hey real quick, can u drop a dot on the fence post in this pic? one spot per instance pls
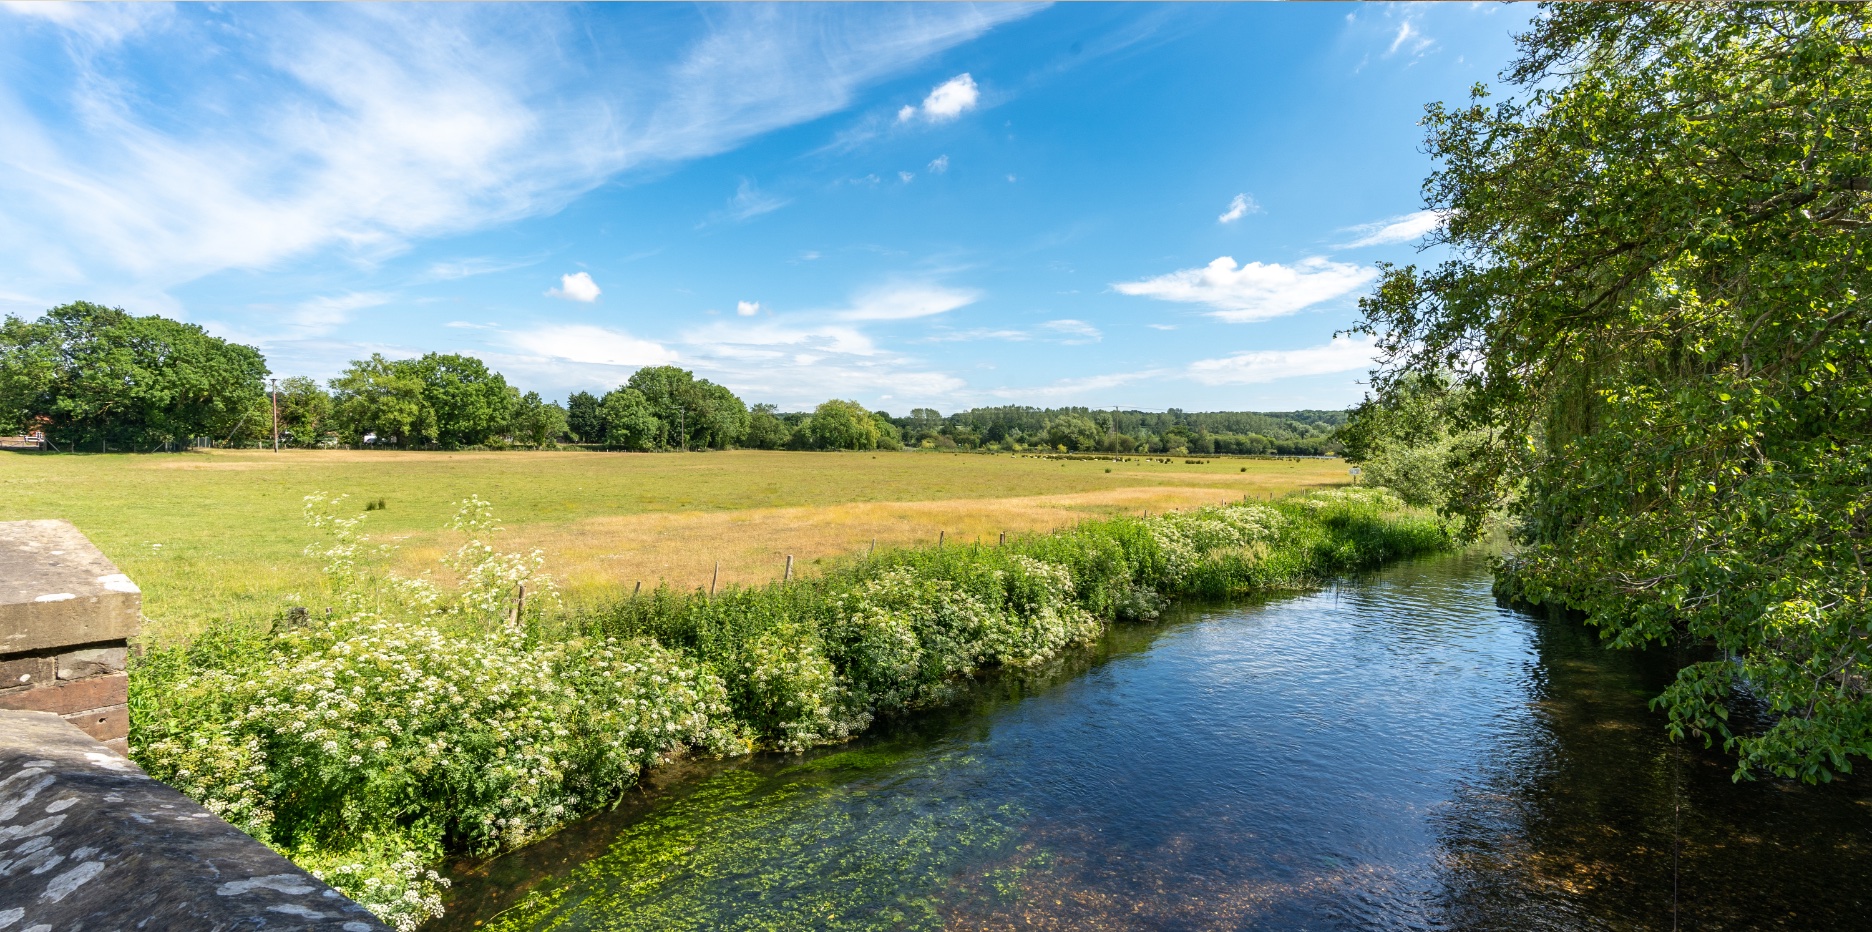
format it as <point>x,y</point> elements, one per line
<point>789,569</point>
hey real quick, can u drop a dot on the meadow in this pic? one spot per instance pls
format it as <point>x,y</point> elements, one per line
<point>220,535</point>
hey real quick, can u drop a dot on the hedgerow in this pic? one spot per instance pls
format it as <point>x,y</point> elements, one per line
<point>416,720</point>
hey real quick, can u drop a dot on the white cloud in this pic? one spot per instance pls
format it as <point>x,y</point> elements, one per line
<point>288,132</point>
<point>750,202</point>
<point>907,302</point>
<point>1405,31</point>
<point>587,343</point>
<point>468,268</point>
<point>322,315</point>
<point>1161,326</point>
<point>906,176</point>
<point>747,308</point>
<point>770,340</point>
<point>1343,354</point>
<point>1075,389</point>
<point>1073,332</point>
<point>1395,230</point>
<point>1065,332</point>
<point>939,164</point>
<point>1240,207</point>
<point>1255,291</point>
<point>577,286</point>
<point>948,100</point>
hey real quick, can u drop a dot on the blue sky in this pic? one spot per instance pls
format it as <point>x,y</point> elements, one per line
<point>947,206</point>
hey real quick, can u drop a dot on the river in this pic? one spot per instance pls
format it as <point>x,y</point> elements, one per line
<point>1396,752</point>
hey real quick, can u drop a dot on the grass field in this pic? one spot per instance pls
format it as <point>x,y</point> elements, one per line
<point>219,534</point>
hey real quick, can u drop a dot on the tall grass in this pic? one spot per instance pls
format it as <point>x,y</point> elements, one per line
<point>416,721</point>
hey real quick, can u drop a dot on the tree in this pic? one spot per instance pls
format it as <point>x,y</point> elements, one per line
<point>766,431</point>
<point>1074,432</point>
<point>888,436</point>
<point>695,412</point>
<point>582,418</point>
<point>305,411</point>
<point>471,404</point>
<point>630,422</point>
<point>536,422</point>
<point>379,397</point>
<point>93,376</point>
<point>842,425</point>
<point>1654,307</point>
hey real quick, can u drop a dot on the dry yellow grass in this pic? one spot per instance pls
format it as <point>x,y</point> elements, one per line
<point>219,534</point>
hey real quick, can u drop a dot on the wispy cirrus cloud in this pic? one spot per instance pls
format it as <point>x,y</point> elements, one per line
<point>1241,206</point>
<point>1255,291</point>
<point>1400,229</point>
<point>1067,332</point>
<point>1343,354</point>
<point>906,301</point>
<point>590,344</point>
<point>285,132</point>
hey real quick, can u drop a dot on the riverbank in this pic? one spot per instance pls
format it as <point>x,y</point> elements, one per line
<point>416,721</point>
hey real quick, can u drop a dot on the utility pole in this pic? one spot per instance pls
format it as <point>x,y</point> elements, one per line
<point>275,414</point>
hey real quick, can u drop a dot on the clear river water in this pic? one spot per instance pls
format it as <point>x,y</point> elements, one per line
<point>1396,752</point>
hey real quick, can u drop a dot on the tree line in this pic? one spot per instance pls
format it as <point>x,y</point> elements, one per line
<point>98,378</point>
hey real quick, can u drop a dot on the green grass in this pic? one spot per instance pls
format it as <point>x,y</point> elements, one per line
<point>215,536</point>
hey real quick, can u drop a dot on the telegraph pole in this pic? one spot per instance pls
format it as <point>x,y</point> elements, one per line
<point>275,414</point>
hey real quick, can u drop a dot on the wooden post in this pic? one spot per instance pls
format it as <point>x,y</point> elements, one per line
<point>873,551</point>
<point>789,569</point>
<point>519,605</point>
<point>638,589</point>
<point>714,579</point>
<point>1003,541</point>
<point>939,539</point>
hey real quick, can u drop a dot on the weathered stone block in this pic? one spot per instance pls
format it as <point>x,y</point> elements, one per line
<point>103,724</point>
<point>67,696</point>
<point>88,841</point>
<point>25,672</point>
<point>57,590</point>
<point>95,661</point>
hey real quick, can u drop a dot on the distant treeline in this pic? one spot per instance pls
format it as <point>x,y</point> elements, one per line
<point>96,378</point>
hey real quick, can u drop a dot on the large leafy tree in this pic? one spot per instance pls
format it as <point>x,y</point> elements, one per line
<point>630,422</point>
<point>582,418</point>
<point>535,421</point>
<point>471,403</point>
<point>384,398</point>
<point>694,412</point>
<point>842,425</point>
<point>1654,310</point>
<point>94,376</point>
<point>305,411</point>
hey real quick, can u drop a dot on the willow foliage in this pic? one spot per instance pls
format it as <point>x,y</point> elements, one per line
<point>1653,311</point>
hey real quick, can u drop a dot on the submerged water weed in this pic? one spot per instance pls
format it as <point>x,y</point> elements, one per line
<point>840,855</point>
<point>421,718</point>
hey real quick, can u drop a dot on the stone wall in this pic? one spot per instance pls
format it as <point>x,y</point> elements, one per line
<point>90,842</point>
<point>66,617</point>
<point>87,840</point>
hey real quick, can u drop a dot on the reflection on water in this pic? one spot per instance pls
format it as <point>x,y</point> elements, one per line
<point>1399,753</point>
